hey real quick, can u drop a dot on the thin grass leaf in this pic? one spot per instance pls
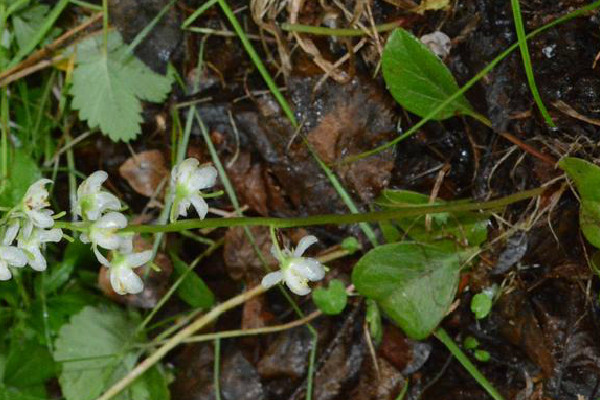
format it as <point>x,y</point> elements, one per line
<point>516,9</point>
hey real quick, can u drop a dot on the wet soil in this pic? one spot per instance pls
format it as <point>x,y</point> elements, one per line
<point>542,334</point>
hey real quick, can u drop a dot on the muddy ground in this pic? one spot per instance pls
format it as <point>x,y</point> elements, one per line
<point>542,334</point>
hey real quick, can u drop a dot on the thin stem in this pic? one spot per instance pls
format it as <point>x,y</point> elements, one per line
<point>470,83</point>
<point>199,11</point>
<point>522,38</point>
<point>257,61</point>
<point>251,332</point>
<point>344,195</point>
<point>321,30</point>
<point>178,338</point>
<point>443,337</point>
<point>217,369</point>
<point>326,219</point>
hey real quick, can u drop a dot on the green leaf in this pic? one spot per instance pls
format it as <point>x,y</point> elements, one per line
<point>48,320</point>
<point>23,172</point>
<point>481,355</point>
<point>27,22</point>
<point>11,393</point>
<point>332,300</point>
<point>465,227</point>
<point>414,284</point>
<point>192,289</point>
<point>28,364</point>
<point>471,343</point>
<point>418,79</point>
<point>481,305</point>
<point>108,87</point>
<point>94,350</point>
<point>350,244</point>
<point>77,253</point>
<point>586,177</point>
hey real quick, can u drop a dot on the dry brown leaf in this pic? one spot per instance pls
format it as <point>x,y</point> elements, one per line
<point>145,171</point>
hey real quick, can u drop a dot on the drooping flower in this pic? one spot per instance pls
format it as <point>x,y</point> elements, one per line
<point>122,278</point>
<point>13,257</point>
<point>33,206</point>
<point>92,201</point>
<point>187,179</point>
<point>296,271</point>
<point>105,233</point>
<point>33,243</point>
<point>10,255</point>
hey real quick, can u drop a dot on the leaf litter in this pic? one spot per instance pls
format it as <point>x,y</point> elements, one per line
<point>540,333</point>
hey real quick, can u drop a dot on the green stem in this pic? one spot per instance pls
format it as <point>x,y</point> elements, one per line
<point>470,83</point>
<point>258,62</point>
<point>327,219</point>
<point>4,128</point>
<point>443,337</point>
<point>522,38</point>
<point>320,30</point>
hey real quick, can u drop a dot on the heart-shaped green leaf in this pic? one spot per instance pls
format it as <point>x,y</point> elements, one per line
<point>586,177</point>
<point>413,283</point>
<point>332,300</point>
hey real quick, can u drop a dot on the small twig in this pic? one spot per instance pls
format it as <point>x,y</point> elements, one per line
<point>178,338</point>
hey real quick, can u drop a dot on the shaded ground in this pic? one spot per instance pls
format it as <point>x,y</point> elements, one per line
<point>541,334</point>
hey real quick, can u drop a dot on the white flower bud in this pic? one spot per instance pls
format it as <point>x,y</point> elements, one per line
<point>92,201</point>
<point>296,271</point>
<point>187,179</point>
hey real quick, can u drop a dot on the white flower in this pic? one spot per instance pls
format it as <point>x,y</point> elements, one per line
<point>105,233</point>
<point>296,270</point>
<point>33,206</point>
<point>122,278</point>
<point>11,233</point>
<point>92,201</point>
<point>10,256</point>
<point>187,179</point>
<point>33,243</point>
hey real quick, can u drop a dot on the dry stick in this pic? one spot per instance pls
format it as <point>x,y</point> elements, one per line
<point>46,51</point>
<point>178,338</point>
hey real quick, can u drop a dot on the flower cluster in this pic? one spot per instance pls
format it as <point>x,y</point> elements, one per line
<point>26,227</point>
<point>30,225</point>
<point>100,209</point>
<point>295,270</point>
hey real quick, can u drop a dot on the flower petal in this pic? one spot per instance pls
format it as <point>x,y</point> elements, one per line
<point>200,205</point>
<point>112,220</point>
<point>11,233</point>
<point>123,281</point>
<point>204,177</point>
<point>41,219</point>
<point>309,268</point>
<point>272,279</point>
<point>4,271</point>
<point>137,259</point>
<point>304,244</point>
<point>39,262</point>
<point>296,282</point>
<point>107,201</point>
<point>13,256</point>
<point>52,235</point>
<point>37,195</point>
<point>100,257</point>
<point>92,184</point>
